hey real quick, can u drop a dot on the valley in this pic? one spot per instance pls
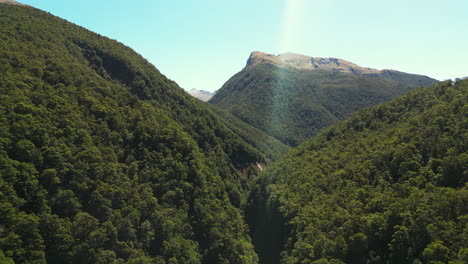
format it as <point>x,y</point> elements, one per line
<point>295,159</point>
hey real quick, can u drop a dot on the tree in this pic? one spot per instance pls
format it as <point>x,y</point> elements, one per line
<point>435,252</point>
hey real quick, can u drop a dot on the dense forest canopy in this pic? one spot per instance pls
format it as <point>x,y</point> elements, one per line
<point>388,185</point>
<point>105,160</point>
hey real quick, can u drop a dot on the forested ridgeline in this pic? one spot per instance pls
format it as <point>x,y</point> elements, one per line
<point>105,160</point>
<point>388,185</point>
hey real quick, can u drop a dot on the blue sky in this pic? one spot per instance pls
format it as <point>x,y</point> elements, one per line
<point>202,43</point>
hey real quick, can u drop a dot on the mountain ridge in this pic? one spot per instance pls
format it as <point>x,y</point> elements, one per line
<point>303,62</point>
<point>290,99</point>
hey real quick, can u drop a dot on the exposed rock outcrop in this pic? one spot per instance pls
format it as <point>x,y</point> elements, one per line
<point>303,62</point>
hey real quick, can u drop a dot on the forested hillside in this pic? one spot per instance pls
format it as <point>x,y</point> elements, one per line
<point>292,103</point>
<point>105,160</point>
<point>388,185</point>
<point>266,144</point>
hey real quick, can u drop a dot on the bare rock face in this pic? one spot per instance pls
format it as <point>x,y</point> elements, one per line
<point>10,2</point>
<point>303,62</point>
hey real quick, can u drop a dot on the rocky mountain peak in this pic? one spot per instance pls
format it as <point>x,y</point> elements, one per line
<point>303,62</point>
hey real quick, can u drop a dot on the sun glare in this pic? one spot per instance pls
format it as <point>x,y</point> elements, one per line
<point>291,29</point>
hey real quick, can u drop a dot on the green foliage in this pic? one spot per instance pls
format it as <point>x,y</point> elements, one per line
<point>388,185</point>
<point>105,160</point>
<point>293,105</point>
<point>269,145</point>
<point>4,259</point>
<point>436,252</point>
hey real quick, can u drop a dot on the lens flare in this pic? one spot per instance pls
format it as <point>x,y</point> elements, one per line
<point>290,40</point>
<point>292,26</point>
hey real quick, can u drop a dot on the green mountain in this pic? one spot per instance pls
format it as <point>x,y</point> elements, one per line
<point>291,97</point>
<point>388,185</point>
<point>105,160</point>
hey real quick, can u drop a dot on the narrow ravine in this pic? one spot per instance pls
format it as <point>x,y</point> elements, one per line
<point>266,226</point>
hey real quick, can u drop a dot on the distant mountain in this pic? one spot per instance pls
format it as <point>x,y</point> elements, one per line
<point>292,96</point>
<point>387,185</point>
<point>302,62</point>
<point>105,160</point>
<point>203,95</point>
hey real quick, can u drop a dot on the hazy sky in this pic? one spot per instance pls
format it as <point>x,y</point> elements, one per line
<point>201,43</point>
